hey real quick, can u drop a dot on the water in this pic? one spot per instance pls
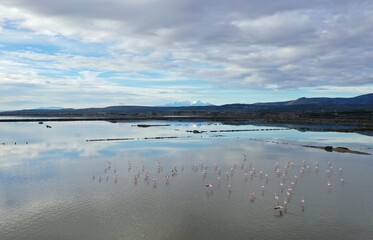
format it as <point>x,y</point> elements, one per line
<point>50,184</point>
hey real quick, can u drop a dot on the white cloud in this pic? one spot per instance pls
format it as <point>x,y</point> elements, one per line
<point>282,28</point>
<point>240,44</point>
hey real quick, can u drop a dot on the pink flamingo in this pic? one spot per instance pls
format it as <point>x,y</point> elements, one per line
<point>251,196</point>
<point>278,207</point>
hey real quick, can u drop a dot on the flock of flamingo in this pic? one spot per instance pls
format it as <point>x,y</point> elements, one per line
<point>286,176</point>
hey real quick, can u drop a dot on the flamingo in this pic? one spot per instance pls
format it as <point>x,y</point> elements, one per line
<point>329,185</point>
<point>209,185</point>
<point>279,208</point>
<point>276,198</point>
<point>276,165</point>
<point>296,178</point>
<point>251,196</point>
<point>302,201</point>
<point>135,178</point>
<point>288,195</point>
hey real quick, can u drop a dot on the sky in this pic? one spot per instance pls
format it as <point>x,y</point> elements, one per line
<point>96,53</point>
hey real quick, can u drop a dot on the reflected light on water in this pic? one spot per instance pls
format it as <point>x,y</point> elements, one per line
<point>59,186</point>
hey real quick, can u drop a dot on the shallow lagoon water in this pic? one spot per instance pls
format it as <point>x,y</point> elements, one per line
<point>50,187</point>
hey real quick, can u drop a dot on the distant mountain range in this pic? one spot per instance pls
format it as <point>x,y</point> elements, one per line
<point>359,103</point>
<point>366,99</point>
<point>186,104</point>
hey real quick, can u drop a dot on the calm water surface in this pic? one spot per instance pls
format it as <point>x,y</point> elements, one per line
<point>54,184</point>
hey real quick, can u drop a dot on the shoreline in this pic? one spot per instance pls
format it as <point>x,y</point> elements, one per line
<point>310,124</point>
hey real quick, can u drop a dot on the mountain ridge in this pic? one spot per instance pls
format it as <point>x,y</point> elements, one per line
<point>361,99</point>
<point>362,102</point>
<point>186,104</point>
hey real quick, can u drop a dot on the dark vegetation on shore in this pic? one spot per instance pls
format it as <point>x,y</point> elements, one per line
<point>354,114</point>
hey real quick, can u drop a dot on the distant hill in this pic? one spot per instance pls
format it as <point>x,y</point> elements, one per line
<point>301,105</point>
<point>359,100</point>
<point>366,99</point>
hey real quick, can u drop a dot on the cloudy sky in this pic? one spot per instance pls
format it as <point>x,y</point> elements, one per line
<point>84,53</point>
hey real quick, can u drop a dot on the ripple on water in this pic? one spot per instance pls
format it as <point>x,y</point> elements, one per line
<point>66,203</point>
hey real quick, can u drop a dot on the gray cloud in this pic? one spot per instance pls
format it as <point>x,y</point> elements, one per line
<point>257,44</point>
